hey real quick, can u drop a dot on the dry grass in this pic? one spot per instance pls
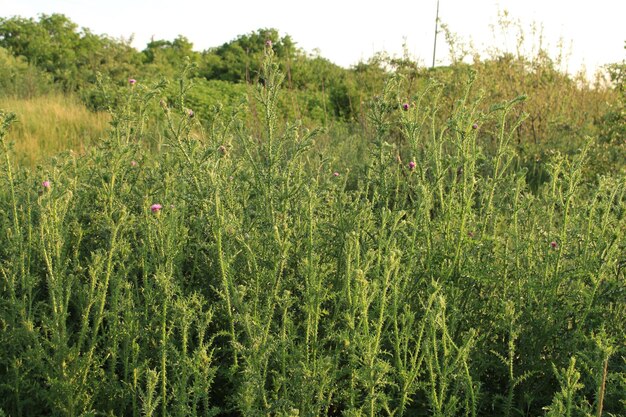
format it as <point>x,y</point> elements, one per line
<point>51,124</point>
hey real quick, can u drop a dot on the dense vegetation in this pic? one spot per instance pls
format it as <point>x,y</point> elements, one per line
<point>51,55</point>
<point>451,241</point>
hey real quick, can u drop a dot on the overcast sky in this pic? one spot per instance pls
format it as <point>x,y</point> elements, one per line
<point>346,31</point>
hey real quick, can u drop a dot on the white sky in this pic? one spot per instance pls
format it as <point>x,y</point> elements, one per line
<point>346,31</point>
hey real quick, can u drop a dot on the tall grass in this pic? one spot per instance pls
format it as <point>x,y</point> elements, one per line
<point>239,272</point>
<point>50,124</point>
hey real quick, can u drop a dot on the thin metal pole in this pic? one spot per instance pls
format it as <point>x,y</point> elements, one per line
<point>436,32</point>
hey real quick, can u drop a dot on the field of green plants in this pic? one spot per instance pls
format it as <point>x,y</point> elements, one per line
<point>419,256</point>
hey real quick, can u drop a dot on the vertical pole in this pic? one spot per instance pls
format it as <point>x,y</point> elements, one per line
<point>436,31</point>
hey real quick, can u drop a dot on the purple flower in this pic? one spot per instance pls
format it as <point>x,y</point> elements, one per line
<point>268,43</point>
<point>405,106</point>
<point>412,165</point>
<point>46,184</point>
<point>335,174</point>
<point>132,81</point>
<point>190,113</point>
<point>553,245</point>
<point>475,126</point>
<point>156,208</point>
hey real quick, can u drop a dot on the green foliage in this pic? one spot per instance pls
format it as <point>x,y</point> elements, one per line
<point>564,402</point>
<point>55,45</point>
<point>18,79</point>
<point>215,254</point>
<point>236,270</point>
<point>240,60</point>
<point>612,124</point>
<point>562,110</point>
<point>163,58</point>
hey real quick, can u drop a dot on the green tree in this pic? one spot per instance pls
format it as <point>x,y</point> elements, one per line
<point>50,44</point>
<point>240,59</point>
<point>71,56</point>
<point>165,58</point>
<point>20,79</point>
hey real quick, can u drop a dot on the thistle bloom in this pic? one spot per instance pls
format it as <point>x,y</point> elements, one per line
<point>46,184</point>
<point>475,126</point>
<point>335,174</point>
<point>412,165</point>
<point>133,163</point>
<point>405,106</point>
<point>156,208</point>
<point>132,81</point>
<point>553,244</point>
<point>190,113</point>
<point>268,43</point>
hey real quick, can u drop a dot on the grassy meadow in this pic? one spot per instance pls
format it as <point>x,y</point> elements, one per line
<point>50,124</point>
<point>451,247</point>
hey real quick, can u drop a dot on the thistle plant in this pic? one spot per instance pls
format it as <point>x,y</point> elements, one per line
<point>202,262</point>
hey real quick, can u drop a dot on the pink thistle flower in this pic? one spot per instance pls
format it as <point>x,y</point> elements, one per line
<point>553,245</point>
<point>335,174</point>
<point>190,113</point>
<point>405,106</point>
<point>268,43</point>
<point>133,163</point>
<point>475,126</point>
<point>156,208</point>
<point>46,184</point>
<point>412,165</point>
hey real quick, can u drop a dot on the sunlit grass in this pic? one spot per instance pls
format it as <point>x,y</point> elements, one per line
<point>50,124</point>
